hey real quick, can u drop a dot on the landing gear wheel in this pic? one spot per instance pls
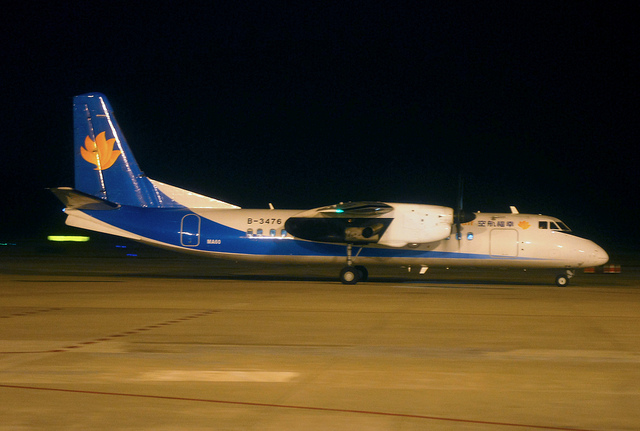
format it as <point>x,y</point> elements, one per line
<point>350,275</point>
<point>364,274</point>
<point>562,280</point>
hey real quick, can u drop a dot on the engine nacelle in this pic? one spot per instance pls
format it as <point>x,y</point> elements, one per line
<point>393,225</point>
<point>417,224</point>
<point>364,234</point>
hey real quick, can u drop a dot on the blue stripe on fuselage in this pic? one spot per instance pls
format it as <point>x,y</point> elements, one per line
<point>164,225</point>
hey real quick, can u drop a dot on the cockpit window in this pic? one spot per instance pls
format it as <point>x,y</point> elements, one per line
<point>553,225</point>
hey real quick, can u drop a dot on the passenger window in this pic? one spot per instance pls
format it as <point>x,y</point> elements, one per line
<point>272,232</point>
<point>542,225</point>
<point>259,232</point>
<point>249,233</point>
<point>283,233</point>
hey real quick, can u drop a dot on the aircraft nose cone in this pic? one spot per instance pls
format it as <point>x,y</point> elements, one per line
<point>600,257</point>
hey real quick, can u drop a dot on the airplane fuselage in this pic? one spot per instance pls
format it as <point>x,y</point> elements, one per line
<point>490,240</point>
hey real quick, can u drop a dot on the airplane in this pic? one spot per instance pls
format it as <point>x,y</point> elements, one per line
<point>113,196</point>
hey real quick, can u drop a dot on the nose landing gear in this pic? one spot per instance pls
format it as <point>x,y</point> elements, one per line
<point>562,280</point>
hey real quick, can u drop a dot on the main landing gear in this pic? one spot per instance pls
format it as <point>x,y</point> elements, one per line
<point>351,274</point>
<point>562,280</point>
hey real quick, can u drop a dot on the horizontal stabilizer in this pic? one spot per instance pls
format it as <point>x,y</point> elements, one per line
<point>75,199</point>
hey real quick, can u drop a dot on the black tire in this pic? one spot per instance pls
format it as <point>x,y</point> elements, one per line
<point>364,274</point>
<point>562,280</point>
<point>350,275</point>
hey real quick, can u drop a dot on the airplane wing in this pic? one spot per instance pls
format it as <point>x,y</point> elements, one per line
<point>352,222</point>
<point>352,209</point>
<point>367,222</point>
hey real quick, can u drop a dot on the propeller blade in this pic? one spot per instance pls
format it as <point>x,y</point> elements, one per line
<point>459,209</point>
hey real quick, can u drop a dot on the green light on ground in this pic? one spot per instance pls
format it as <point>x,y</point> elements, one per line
<point>68,238</point>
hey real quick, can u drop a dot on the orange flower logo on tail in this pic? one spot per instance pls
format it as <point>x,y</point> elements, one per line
<point>99,152</point>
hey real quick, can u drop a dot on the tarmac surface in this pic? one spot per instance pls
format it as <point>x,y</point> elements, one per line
<point>179,344</point>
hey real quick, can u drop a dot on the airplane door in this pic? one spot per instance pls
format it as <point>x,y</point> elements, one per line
<point>190,230</point>
<point>504,242</point>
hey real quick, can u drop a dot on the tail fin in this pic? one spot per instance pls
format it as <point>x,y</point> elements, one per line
<point>105,166</point>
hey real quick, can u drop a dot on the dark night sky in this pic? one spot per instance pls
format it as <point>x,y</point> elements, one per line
<point>534,103</point>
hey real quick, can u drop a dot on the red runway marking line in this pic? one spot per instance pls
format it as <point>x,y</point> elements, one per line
<point>285,406</point>
<point>110,337</point>
<point>28,313</point>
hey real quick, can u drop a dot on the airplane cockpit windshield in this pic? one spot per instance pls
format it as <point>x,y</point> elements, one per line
<point>553,225</point>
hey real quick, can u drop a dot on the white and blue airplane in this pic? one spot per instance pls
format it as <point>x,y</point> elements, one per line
<point>113,196</point>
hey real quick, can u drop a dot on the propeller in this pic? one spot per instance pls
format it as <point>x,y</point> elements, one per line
<point>459,209</point>
<point>460,216</point>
